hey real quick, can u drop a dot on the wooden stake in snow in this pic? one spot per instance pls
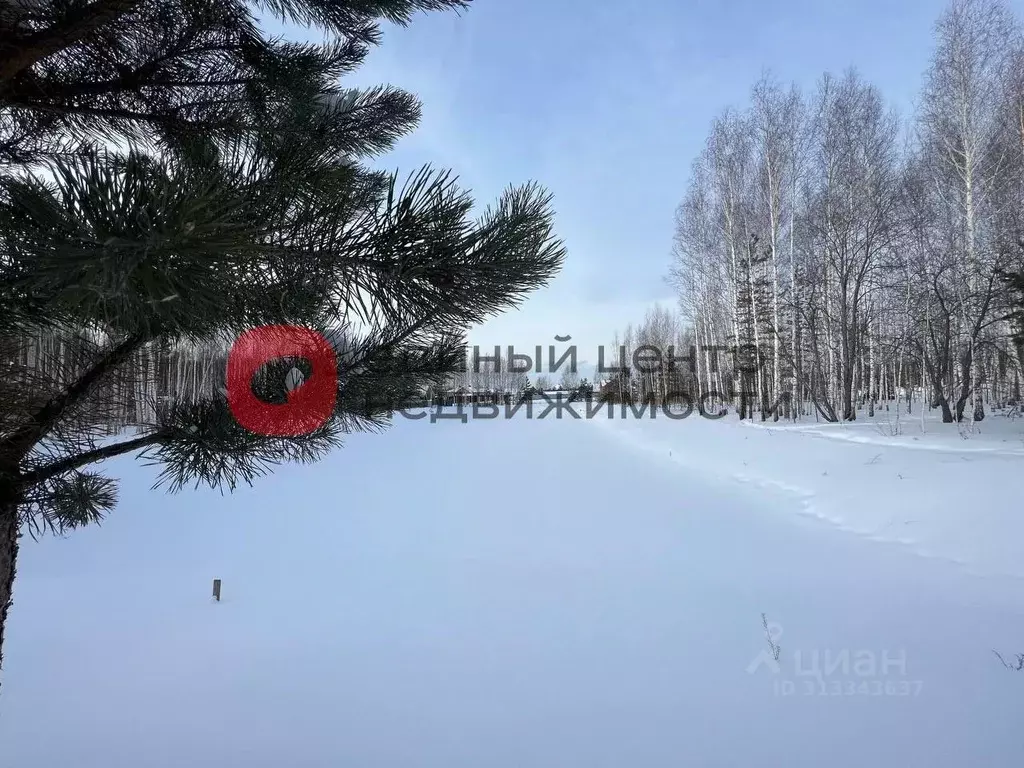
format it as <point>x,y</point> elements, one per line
<point>216,589</point>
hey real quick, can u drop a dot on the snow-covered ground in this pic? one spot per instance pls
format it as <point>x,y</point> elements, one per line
<point>542,593</point>
<point>945,490</point>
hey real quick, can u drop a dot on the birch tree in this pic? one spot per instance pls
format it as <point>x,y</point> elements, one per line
<point>962,129</point>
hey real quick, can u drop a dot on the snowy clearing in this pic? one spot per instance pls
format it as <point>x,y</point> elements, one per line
<point>944,490</point>
<point>540,593</point>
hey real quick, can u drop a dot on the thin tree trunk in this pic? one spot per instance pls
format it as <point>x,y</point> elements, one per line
<point>797,367</point>
<point>871,368</point>
<point>757,333</point>
<point>776,383</point>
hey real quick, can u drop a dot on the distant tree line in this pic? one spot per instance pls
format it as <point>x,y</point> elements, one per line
<point>862,257</point>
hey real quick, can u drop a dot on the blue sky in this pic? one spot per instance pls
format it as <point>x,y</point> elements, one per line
<point>607,104</point>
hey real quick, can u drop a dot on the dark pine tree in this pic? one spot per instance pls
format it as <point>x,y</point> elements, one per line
<point>171,174</point>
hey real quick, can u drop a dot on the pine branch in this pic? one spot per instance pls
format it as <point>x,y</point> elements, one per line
<point>44,473</point>
<point>18,445</point>
<point>62,35</point>
<point>67,502</point>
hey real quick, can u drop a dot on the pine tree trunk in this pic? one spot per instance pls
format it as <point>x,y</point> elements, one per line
<point>8,559</point>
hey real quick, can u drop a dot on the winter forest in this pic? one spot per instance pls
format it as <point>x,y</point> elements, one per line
<point>862,255</point>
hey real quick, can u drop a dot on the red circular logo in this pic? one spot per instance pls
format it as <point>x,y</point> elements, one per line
<point>299,370</point>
